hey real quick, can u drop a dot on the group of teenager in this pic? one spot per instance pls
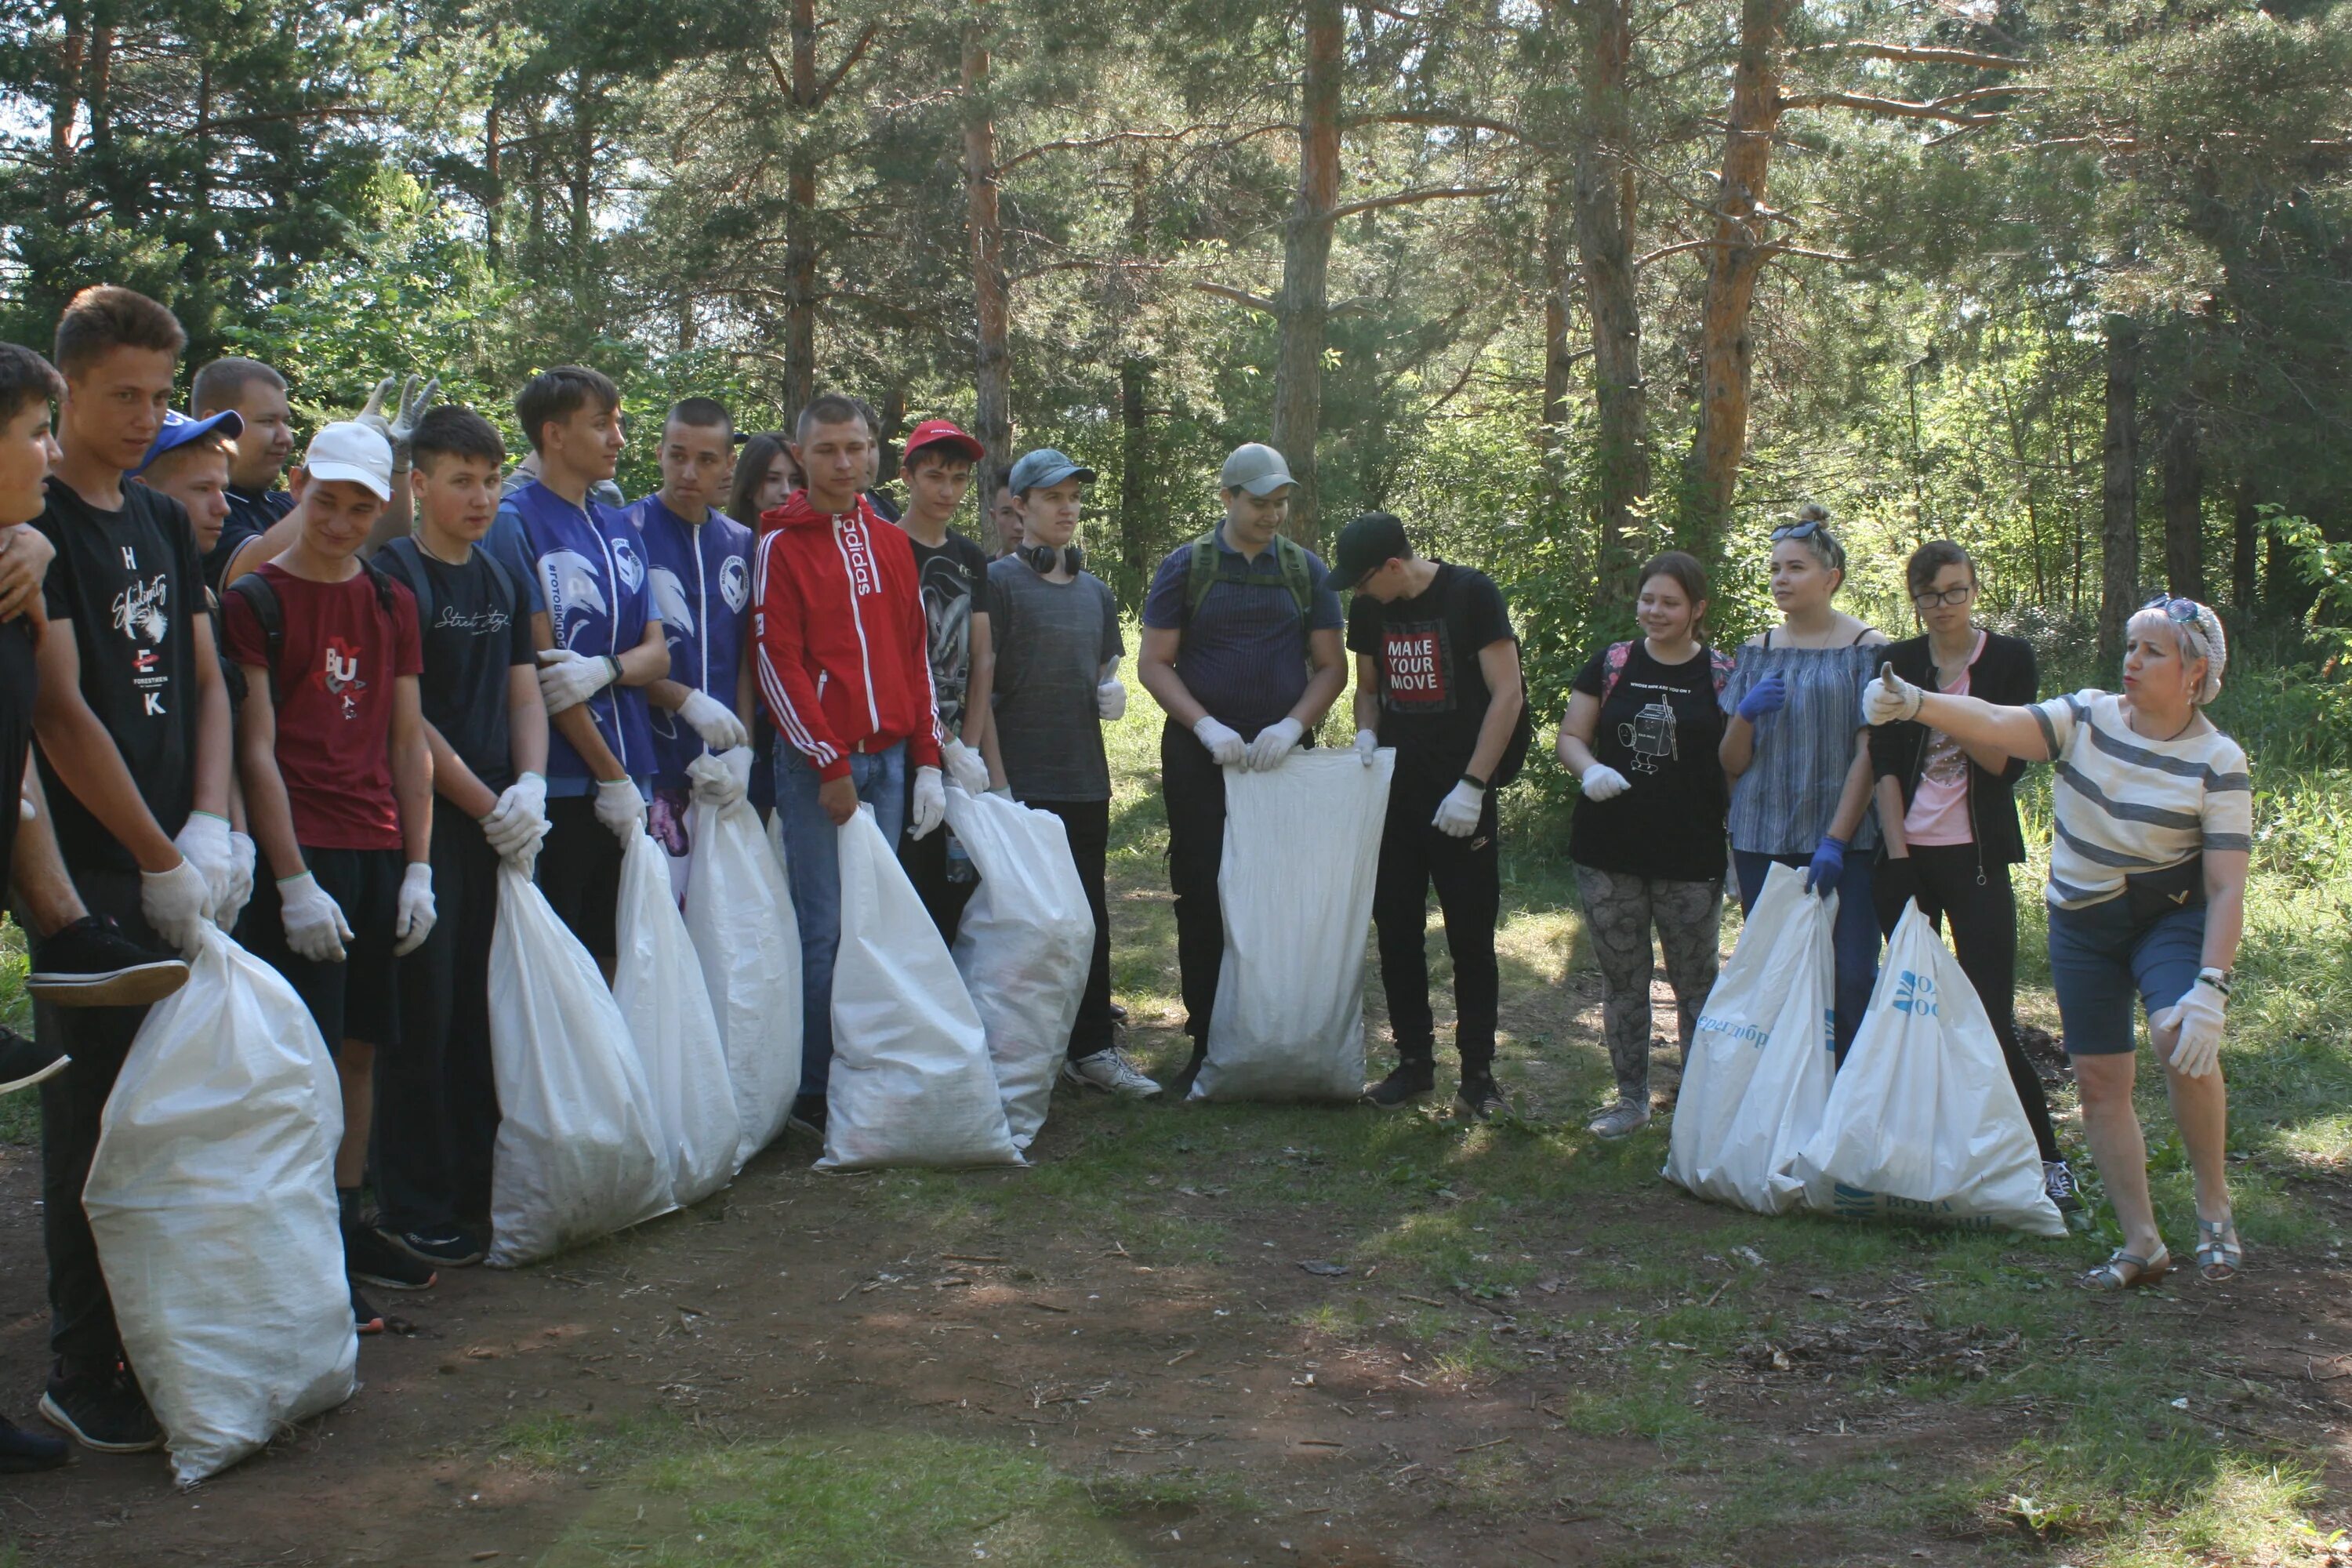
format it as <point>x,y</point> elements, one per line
<point>323,717</point>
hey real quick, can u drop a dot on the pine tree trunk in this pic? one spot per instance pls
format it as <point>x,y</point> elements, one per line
<point>800,221</point>
<point>1305,266</point>
<point>1741,247</point>
<point>2119,510</point>
<point>2184,505</point>
<point>1134,460</point>
<point>1558,359</point>
<point>993,367</point>
<point>2245,548</point>
<point>583,179</point>
<point>1604,242</point>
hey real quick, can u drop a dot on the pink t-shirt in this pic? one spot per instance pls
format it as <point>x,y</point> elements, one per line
<point>1940,802</point>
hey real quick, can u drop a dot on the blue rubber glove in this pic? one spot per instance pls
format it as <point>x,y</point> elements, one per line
<point>1829,864</point>
<point>1764,697</point>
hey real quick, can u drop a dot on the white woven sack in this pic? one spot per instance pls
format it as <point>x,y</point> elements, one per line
<point>738,911</point>
<point>657,981</point>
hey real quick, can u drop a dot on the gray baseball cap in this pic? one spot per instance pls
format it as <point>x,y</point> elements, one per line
<point>1256,468</point>
<point>1042,468</point>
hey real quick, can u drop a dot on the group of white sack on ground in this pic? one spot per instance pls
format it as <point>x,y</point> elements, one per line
<point>607,841</point>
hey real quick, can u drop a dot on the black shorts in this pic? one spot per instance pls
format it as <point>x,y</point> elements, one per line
<point>580,872</point>
<point>358,999</point>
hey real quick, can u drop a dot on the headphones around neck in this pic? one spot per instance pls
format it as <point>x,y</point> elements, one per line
<point>1043,558</point>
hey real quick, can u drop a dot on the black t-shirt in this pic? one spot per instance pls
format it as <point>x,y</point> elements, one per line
<point>473,637</point>
<point>954,579</point>
<point>129,585</point>
<point>1660,726</point>
<point>18,678</point>
<point>1433,695</point>
<point>250,515</point>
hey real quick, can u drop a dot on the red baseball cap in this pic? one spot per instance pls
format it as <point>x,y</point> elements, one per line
<point>938,432</point>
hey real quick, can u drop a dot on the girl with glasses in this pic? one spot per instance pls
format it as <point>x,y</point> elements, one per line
<point>2154,812</point>
<point>1947,812</point>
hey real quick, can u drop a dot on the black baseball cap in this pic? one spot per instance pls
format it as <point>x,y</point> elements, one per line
<point>1367,544</point>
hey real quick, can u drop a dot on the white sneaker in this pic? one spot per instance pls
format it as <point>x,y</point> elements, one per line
<point>1111,1072</point>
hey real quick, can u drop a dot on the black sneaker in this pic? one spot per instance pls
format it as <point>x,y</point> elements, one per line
<point>365,1319</point>
<point>1402,1087</point>
<point>91,963</point>
<point>440,1246</point>
<point>808,1115</point>
<point>2058,1181</point>
<point>368,1255</point>
<point>102,1411</point>
<point>24,1063</point>
<point>1480,1097</point>
<point>23,1452</point>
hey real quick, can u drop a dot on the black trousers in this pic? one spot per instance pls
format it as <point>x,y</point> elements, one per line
<point>1087,822</point>
<point>1946,880</point>
<point>1193,788</point>
<point>437,1102</point>
<point>81,1314</point>
<point>579,873</point>
<point>1468,877</point>
<point>925,861</point>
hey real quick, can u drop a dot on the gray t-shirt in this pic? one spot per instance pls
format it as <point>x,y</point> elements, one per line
<point>1051,640</point>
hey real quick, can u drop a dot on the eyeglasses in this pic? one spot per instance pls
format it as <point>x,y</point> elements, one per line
<point>1925,602</point>
<point>1796,530</point>
<point>2185,611</point>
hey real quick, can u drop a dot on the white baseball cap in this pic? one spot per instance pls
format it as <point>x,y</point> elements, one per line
<point>349,450</point>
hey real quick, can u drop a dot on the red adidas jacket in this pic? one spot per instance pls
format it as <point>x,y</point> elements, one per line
<point>844,645</point>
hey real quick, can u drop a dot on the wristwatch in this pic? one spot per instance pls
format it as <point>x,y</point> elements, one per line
<point>1474,781</point>
<point>2218,979</point>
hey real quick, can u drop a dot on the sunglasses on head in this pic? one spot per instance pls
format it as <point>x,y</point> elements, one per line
<point>2185,611</point>
<point>1796,530</point>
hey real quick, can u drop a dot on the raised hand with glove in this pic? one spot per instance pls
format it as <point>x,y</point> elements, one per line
<point>566,680</point>
<point>721,778</point>
<point>1274,745</point>
<point>1766,695</point>
<point>713,720</point>
<point>1890,699</point>
<point>399,427</point>
<point>930,807</point>
<point>1110,700</point>
<point>178,903</point>
<point>1368,746</point>
<point>2198,1015</point>
<point>1226,747</point>
<point>315,926</point>
<point>621,808</point>
<point>964,765</point>
<point>518,818</point>
<point>1602,782</point>
<point>415,916</point>
<point>1457,814</point>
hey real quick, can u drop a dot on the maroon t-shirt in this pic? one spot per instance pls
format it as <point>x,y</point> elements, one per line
<point>343,653</point>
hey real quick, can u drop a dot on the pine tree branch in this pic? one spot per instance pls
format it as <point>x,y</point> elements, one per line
<point>848,63</point>
<point>1925,54</point>
<point>1411,198</point>
<point>1238,296</point>
<point>1082,144</point>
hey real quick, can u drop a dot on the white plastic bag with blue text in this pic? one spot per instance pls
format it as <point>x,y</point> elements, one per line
<point>657,981</point>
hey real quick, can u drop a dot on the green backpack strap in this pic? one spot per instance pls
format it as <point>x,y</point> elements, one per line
<point>1295,573</point>
<point>1202,573</point>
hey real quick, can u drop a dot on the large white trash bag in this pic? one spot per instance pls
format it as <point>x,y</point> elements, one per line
<point>1023,947</point>
<point>1923,1122</point>
<point>738,911</point>
<point>1302,851</point>
<point>212,1197</point>
<point>910,1082</point>
<point>657,981</point>
<point>578,1154</point>
<point>1759,1068</point>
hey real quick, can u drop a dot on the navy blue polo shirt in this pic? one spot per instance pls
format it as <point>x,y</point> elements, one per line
<point>1243,654</point>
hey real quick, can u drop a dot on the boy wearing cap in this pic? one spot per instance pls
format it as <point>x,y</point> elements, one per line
<point>699,574</point>
<point>265,440</point>
<point>1437,677</point>
<point>1241,649</point>
<point>952,572</point>
<point>437,1103</point>
<point>133,720</point>
<point>338,791</point>
<point>844,669</point>
<point>1056,685</point>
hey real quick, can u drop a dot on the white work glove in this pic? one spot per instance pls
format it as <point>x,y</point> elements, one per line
<point>414,917</point>
<point>714,722</point>
<point>930,801</point>
<point>241,862</point>
<point>315,927</point>
<point>520,818</point>
<point>1273,744</point>
<point>1603,782</point>
<point>2199,1017</point>
<point>964,767</point>
<point>177,904</point>
<point>566,680</point>
<point>202,840</point>
<point>1890,698</point>
<point>399,427</point>
<point>1110,700</point>
<point>1225,745</point>
<point>1368,746</point>
<point>620,807</point>
<point>1457,814</point>
<point>721,778</point>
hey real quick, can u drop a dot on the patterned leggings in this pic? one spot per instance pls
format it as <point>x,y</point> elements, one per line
<point>1620,912</point>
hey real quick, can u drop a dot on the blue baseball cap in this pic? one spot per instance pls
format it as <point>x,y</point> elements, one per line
<point>1043,467</point>
<point>179,430</point>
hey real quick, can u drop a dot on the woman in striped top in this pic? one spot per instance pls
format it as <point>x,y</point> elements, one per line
<point>2146,893</point>
<point>1799,761</point>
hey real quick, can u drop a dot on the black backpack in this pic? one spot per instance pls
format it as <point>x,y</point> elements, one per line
<point>262,600</point>
<point>404,558</point>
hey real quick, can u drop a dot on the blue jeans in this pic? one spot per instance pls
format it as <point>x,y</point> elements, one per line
<point>814,858</point>
<point>1854,939</point>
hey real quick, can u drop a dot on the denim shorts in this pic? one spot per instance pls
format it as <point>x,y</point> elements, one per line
<point>2098,957</point>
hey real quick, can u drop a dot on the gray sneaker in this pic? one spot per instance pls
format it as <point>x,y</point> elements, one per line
<point>1111,1072</point>
<point>1622,1119</point>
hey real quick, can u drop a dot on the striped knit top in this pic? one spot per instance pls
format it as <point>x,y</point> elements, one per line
<point>2124,803</point>
<point>1785,801</point>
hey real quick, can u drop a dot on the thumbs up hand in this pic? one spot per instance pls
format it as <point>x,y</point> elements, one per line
<point>1890,698</point>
